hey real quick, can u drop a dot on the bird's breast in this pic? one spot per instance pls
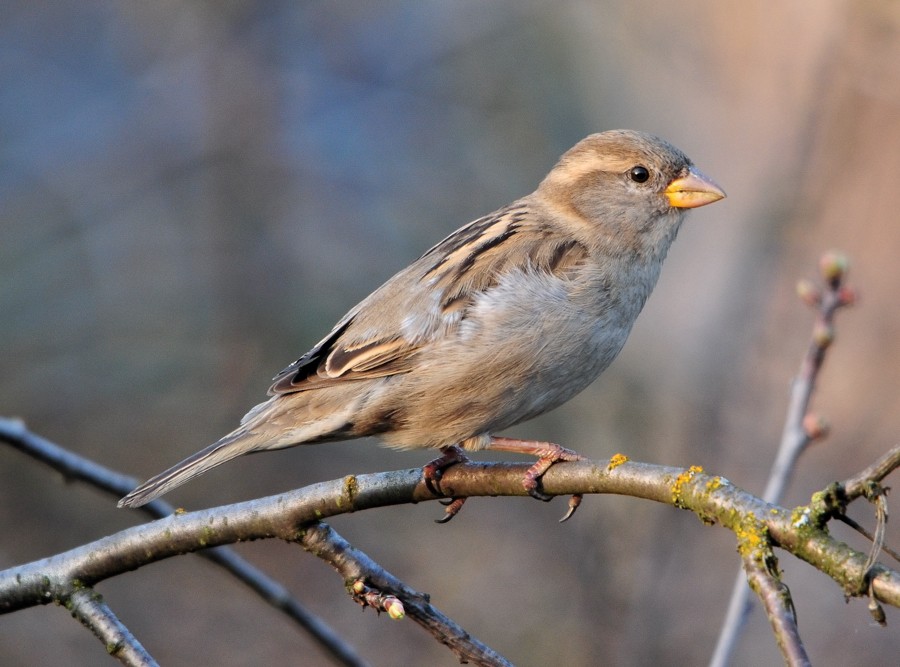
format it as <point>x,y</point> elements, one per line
<point>526,346</point>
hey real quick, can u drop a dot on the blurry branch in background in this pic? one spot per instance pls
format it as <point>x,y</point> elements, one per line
<point>759,526</point>
<point>801,428</point>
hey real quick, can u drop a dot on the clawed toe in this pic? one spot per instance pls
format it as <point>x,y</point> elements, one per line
<point>548,453</point>
<point>533,486</point>
<point>574,502</point>
<point>432,478</point>
<point>451,509</point>
<point>433,472</point>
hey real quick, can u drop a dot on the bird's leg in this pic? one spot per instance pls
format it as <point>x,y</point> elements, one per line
<point>547,454</point>
<point>432,473</point>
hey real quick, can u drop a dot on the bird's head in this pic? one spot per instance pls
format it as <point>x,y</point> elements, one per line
<point>627,184</point>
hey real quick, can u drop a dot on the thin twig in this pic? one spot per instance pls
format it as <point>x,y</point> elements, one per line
<point>75,467</point>
<point>89,608</point>
<point>352,564</point>
<point>795,436</point>
<point>859,484</point>
<point>776,599</point>
<point>279,597</point>
<point>881,515</point>
<point>868,535</point>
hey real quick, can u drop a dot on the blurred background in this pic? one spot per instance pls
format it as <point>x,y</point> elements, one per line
<point>192,193</point>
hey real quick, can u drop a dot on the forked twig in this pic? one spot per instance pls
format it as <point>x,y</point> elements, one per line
<point>800,427</point>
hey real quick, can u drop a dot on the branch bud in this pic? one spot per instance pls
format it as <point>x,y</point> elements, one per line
<point>815,426</point>
<point>369,597</point>
<point>877,612</point>
<point>847,296</point>
<point>823,334</point>
<point>809,293</point>
<point>833,266</point>
<point>394,608</point>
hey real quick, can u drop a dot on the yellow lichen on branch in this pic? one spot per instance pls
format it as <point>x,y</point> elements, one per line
<point>616,461</point>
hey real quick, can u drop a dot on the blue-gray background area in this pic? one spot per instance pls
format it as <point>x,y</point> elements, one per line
<point>192,193</point>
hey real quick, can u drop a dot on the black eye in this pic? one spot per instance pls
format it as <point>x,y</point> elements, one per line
<point>639,174</point>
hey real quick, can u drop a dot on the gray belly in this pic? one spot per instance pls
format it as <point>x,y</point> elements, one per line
<point>508,368</point>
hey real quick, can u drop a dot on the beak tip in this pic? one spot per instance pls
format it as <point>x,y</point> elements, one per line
<point>693,190</point>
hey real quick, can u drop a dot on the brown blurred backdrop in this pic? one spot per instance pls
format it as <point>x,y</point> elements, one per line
<point>191,193</point>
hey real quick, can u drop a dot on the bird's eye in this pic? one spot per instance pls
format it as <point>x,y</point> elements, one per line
<point>639,174</point>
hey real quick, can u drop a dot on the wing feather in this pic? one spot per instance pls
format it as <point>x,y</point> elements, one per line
<point>383,335</point>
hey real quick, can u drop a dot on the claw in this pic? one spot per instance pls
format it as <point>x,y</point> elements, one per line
<point>574,502</point>
<point>533,486</point>
<point>432,480</point>
<point>548,453</point>
<point>451,509</point>
<point>433,472</point>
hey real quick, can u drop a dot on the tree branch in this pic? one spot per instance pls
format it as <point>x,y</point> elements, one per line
<point>776,600</point>
<point>800,427</point>
<point>89,608</point>
<point>75,467</point>
<point>761,570</point>
<point>352,564</point>
<point>285,516</point>
<point>861,483</point>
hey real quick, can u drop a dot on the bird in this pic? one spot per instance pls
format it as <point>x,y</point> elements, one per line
<point>506,318</point>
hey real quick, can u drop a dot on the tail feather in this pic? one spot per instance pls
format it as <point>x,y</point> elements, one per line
<point>282,421</point>
<point>231,446</point>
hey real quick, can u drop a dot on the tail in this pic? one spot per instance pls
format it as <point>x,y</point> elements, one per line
<point>231,446</point>
<point>261,428</point>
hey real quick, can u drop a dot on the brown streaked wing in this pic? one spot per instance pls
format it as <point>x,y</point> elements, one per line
<point>466,263</point>
<point>330,361</point>
<point>290,378</point>
<point>377,358</point>
<point>512,242</point>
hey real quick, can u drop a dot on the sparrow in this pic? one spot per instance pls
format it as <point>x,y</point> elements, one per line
<point>508,317</point>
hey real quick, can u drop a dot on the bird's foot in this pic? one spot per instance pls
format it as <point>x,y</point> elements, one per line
<point>547,454</point>
<point>433,472</point>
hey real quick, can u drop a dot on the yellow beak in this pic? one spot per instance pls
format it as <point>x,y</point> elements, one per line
<point>693,190</point>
